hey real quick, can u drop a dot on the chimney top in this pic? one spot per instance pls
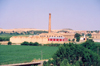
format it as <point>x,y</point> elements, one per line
<point>49,13</point>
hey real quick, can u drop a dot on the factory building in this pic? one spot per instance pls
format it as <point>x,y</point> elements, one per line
<point>45,38</point>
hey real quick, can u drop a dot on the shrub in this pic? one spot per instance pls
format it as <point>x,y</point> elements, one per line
<point>73,40</point>
<point>36,44</point>
<point>25,43</point>
<point>31,43</point>
<point>9,43</point>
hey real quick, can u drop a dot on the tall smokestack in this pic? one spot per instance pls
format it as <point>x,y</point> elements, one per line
<point>49,30</point>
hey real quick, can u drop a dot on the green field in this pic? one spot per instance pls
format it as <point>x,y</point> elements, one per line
<point>97,43</point>
<point>18,54</point>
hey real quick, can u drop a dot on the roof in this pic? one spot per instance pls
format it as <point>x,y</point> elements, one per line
<point>56,37</point>
<point>57,34</point>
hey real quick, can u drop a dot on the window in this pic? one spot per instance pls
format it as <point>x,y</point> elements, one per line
<point>50,39</point>
<point>57,40</point>
<point>60,39</point>
<point>53,39</point>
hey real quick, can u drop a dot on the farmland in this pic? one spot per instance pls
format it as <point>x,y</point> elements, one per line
<point>18,54</point>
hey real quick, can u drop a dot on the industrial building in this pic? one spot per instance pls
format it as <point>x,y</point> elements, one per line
<point>45,38</point>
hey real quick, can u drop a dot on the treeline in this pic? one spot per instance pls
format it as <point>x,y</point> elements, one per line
<point>75,55</point>
<point>4,38</point>
<point>23,32</point>
<point>97,31</point>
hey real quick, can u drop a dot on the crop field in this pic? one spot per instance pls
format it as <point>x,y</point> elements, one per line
<point>97,43</point>
<point>8,35</point>
<point>18,54</point>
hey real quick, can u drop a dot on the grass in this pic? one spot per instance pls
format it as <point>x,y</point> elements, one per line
<point>8,35</point>
<point>97,43</point>
<point>18,54</point>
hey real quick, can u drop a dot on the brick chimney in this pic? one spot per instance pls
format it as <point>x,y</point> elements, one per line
<point>49,29</point>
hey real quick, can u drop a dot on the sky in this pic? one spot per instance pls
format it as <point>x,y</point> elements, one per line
<point>73,14</point>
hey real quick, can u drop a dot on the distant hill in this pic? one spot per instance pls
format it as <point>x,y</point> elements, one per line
<point>67,29</point>
<point>22,30</point>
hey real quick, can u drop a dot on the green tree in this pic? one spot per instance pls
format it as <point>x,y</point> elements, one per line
<point>65,63</point>
<point>31,44</point>
<point>69,40</point>
<point>73,40</point>
<point>77,36</point>
<point>36,44</point>
<point>1,39</point>
<point>9,43</point>
<point>74,53</point>
<point>90,45</point>
<point>25,43</point>
<point>78,39</point>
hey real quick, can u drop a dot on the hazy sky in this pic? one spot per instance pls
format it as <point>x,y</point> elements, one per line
<point>74,14</point>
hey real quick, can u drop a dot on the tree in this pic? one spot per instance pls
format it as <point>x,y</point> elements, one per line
<point>25,43</point>
<point>65,63</point>
<point>77,36</point>
<point>78,39</point>
<point>69,40</point>
<point>31,43</point>
<point>9,43</point>
<point>1,39</point>
<point>76,55</point>
<point>73,40</point>
<point>90,45</point>
<point>36,44</point>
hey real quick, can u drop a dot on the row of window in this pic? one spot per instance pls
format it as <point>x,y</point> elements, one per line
<point>57,39</point>
<point>49,36</point>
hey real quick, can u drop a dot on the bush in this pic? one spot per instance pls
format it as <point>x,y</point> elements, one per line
<point>25,43</point>
<point>9,43</point>
<point>31,43</point>
<point>73,40</point>
<point>36,44</point>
